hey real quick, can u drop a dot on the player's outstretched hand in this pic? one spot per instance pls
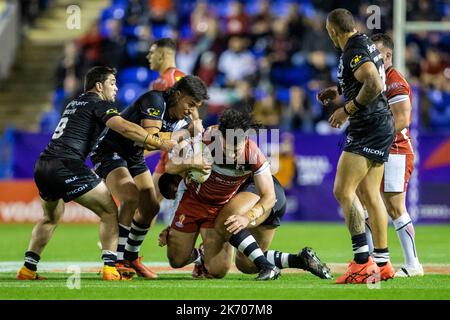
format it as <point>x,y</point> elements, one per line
<point>327,95</point>
<point>236,223</point>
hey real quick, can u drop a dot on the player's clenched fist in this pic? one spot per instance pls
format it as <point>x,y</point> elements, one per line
<point>325,96</point>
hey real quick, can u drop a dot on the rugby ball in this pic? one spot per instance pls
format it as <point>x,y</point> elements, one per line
<point>195,174</point>
<point>198,175</point>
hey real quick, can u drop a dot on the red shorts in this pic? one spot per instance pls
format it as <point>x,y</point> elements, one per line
<point>397,172</point>
<point>192,215</point>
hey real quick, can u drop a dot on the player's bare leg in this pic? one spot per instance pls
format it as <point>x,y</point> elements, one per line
<point>180,248</point>
<point>99,201</point>
<point>351,170</point>
<point>396,208</point>
<point>148,208</point>
<point>371,197</point>
<point>218,254</point>
<point>41,234</point>
<point>123,188</point>
<point>243,241</point>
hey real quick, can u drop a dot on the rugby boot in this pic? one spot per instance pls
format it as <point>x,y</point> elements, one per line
<point>268,273</point>
<point>140,268</point>
<point>26,274</point>
<point>312,263</point>
<point>110,274</point>
<point>387,271</point>
<point>360,273</point>
<point>125,271</point>
<point>407,271</point>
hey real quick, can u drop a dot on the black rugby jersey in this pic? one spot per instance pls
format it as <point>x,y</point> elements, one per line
<point>358,50</point>
<point>151,105</point>
<point>81,123</point>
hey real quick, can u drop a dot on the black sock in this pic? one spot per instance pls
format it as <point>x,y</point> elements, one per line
<point>381,256</point>
<point>109,258</point>
<point>135,239</point>
<point>31,260</point>
<point>124,231</point>
<point>246,243</point>
<point>360,248</point>
<point>284,260</point>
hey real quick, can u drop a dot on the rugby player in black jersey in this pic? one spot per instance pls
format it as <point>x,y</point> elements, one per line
<point>61,174</point>
<point>121,163</point>
<point>370,133</point>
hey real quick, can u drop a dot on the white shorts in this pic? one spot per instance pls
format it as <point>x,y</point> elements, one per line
<point>397,172</point>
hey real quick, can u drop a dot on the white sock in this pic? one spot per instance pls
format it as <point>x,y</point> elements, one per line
<point>368,233</point>
<point>405,231</point>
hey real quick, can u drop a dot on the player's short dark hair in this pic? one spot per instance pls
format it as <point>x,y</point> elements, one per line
<point>235,119</point>
<point>384,39</point>
<point>190,85</point>
<point>342,19</point>
<point>97,74</point>
<point>166,43</point>
<point>167,183</point>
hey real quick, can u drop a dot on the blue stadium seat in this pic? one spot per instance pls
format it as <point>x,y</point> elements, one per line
<point>162,31</point>
<point>138,75</point>
<point>113,12</point>
<point>129,93</point>
<point>49,121</point>
<point>283,95</point>
<point>291,76</point>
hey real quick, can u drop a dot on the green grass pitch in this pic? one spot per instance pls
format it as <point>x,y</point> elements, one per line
<point>331,241</point>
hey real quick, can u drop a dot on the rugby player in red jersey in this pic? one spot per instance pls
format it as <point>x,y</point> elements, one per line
<point>238,165</point>
<point>400,165</point>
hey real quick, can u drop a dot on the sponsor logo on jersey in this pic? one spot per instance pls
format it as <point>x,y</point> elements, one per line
<point>179,223</point>
<point>116,156</point>
<point>154,112</point>
<point>72,179</point>
<point>356,59</point>
<point>373,151</point>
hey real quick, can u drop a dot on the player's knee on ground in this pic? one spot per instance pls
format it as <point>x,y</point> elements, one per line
<point>217,270</point>
<point>177,260</point>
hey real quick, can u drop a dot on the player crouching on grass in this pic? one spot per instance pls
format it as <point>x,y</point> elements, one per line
<point>61,174</point>
<point>222,216</point>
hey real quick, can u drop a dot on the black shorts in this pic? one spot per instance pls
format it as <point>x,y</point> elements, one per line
<point>68,179</point>
<point>278,211</point>
<point>105,162</point>
<point>371,138</point>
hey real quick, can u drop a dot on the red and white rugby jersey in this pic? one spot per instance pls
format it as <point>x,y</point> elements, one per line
<point>398,90</point>
<point>226,179</point>
<point>167,79</point>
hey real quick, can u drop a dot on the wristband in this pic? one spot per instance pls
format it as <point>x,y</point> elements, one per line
<point>345,110</point>
<point>357,104</point>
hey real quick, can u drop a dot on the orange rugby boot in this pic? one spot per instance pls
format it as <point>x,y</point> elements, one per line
<point>125,271</point>
<point>111,274</point>
<point>387,271</point>
<point>140,268</point>
<point>26,274</point>
<point>360,273</point>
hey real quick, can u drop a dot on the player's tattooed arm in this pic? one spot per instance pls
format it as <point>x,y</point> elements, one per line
<point>356,221</point>
<point>372,82</point>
